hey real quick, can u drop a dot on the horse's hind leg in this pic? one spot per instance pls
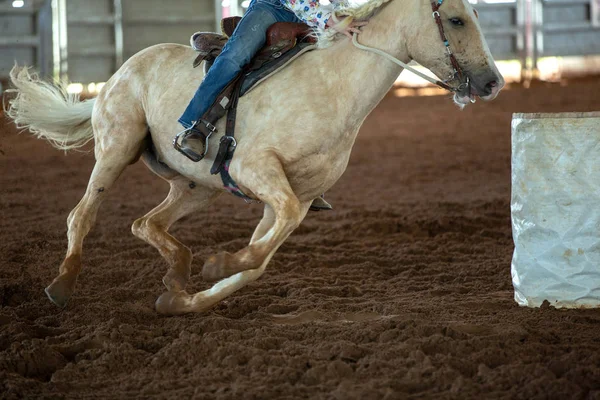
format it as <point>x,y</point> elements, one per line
<point>183,199</point>
<point>113,154</point>
<point>79,223</point>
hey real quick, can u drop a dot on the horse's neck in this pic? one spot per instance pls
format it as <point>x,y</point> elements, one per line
<point>364,77</point>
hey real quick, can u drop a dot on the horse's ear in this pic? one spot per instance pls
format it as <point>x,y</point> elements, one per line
<point>476,13</point>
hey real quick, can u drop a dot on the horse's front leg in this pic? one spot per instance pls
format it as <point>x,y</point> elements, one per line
<point>224,264</point>
<point>214,270</point>
<point>283,213</point>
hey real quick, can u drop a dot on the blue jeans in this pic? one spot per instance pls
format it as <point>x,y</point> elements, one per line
<point>247,39</point>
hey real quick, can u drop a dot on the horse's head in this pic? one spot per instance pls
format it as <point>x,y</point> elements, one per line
<point>477,73</point>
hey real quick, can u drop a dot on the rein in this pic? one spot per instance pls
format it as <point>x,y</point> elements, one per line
<point>458,74</point>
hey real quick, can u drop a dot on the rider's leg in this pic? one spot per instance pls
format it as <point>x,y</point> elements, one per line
<point>244,43</point>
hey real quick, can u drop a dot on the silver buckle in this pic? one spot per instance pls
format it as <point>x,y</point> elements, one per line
<point>210,126</point>
<point>233,141</point>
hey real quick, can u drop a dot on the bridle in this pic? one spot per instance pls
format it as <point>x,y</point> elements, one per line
<point>457,75</point>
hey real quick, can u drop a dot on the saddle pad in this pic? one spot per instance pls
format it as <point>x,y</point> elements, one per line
<point>272,67</point>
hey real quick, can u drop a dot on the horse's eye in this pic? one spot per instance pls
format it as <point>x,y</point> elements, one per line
<point>457,21</point>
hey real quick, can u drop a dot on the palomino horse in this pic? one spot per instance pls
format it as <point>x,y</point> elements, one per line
<point>296,132</point>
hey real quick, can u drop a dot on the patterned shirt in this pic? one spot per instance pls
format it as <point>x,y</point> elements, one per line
<point>311,12</point>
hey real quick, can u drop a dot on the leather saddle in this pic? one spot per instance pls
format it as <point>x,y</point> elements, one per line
<point>285,42</point>
<point>281,37</point>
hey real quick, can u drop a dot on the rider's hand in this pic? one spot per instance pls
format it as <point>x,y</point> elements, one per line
<point>349,30</point>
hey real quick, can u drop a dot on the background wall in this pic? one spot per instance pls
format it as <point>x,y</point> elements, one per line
<point>101,34</point>
<point>85,41</point>
<point>24,34</point>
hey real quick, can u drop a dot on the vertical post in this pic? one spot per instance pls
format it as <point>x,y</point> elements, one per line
<point>595,13</point>
<point>235,8</point>
<point>218,15</point>
<point>538,14</point>
<point>521,40</point>
<point>59,36</point>
<point>534,38</point>
<point>118,25</point>
<point>44,34</point>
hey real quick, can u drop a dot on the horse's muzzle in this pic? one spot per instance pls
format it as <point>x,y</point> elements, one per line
<point>487,86</point>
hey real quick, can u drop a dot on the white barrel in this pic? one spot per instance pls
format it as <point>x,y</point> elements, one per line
<point>555,209</point>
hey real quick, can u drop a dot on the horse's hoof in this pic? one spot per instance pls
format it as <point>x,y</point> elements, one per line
<point>59,292</point>
<point>217,267</point>
<point>172,303</point>
<point>174,282</point>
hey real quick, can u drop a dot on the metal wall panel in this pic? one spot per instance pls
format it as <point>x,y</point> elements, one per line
<point>502,29</point>
<point>18,37</point>
<point>90,39</point>
<point>102,34</point>
<point>569,28</point>
<point>148,22</point>
<point>26,36</point>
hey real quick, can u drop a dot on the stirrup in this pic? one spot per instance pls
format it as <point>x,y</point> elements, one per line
<point>188,132</point>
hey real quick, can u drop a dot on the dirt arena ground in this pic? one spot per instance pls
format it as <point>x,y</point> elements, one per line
<point>403,291</point>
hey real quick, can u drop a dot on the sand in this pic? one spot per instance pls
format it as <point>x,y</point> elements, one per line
<point>404,291</point>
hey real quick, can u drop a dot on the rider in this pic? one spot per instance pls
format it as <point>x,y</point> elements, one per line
<point>247,39</point>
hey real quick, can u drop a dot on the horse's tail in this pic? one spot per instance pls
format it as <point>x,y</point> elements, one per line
<point>49,111</point>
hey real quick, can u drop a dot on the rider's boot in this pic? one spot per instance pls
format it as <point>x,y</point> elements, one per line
<point>193,141</point>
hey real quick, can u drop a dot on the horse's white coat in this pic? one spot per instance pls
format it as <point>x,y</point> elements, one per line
<point>295,134</point>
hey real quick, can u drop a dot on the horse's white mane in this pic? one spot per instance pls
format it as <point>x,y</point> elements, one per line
<point>361,10</point>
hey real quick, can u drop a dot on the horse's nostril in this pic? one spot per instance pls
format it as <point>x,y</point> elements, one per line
<point>489,87</point>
